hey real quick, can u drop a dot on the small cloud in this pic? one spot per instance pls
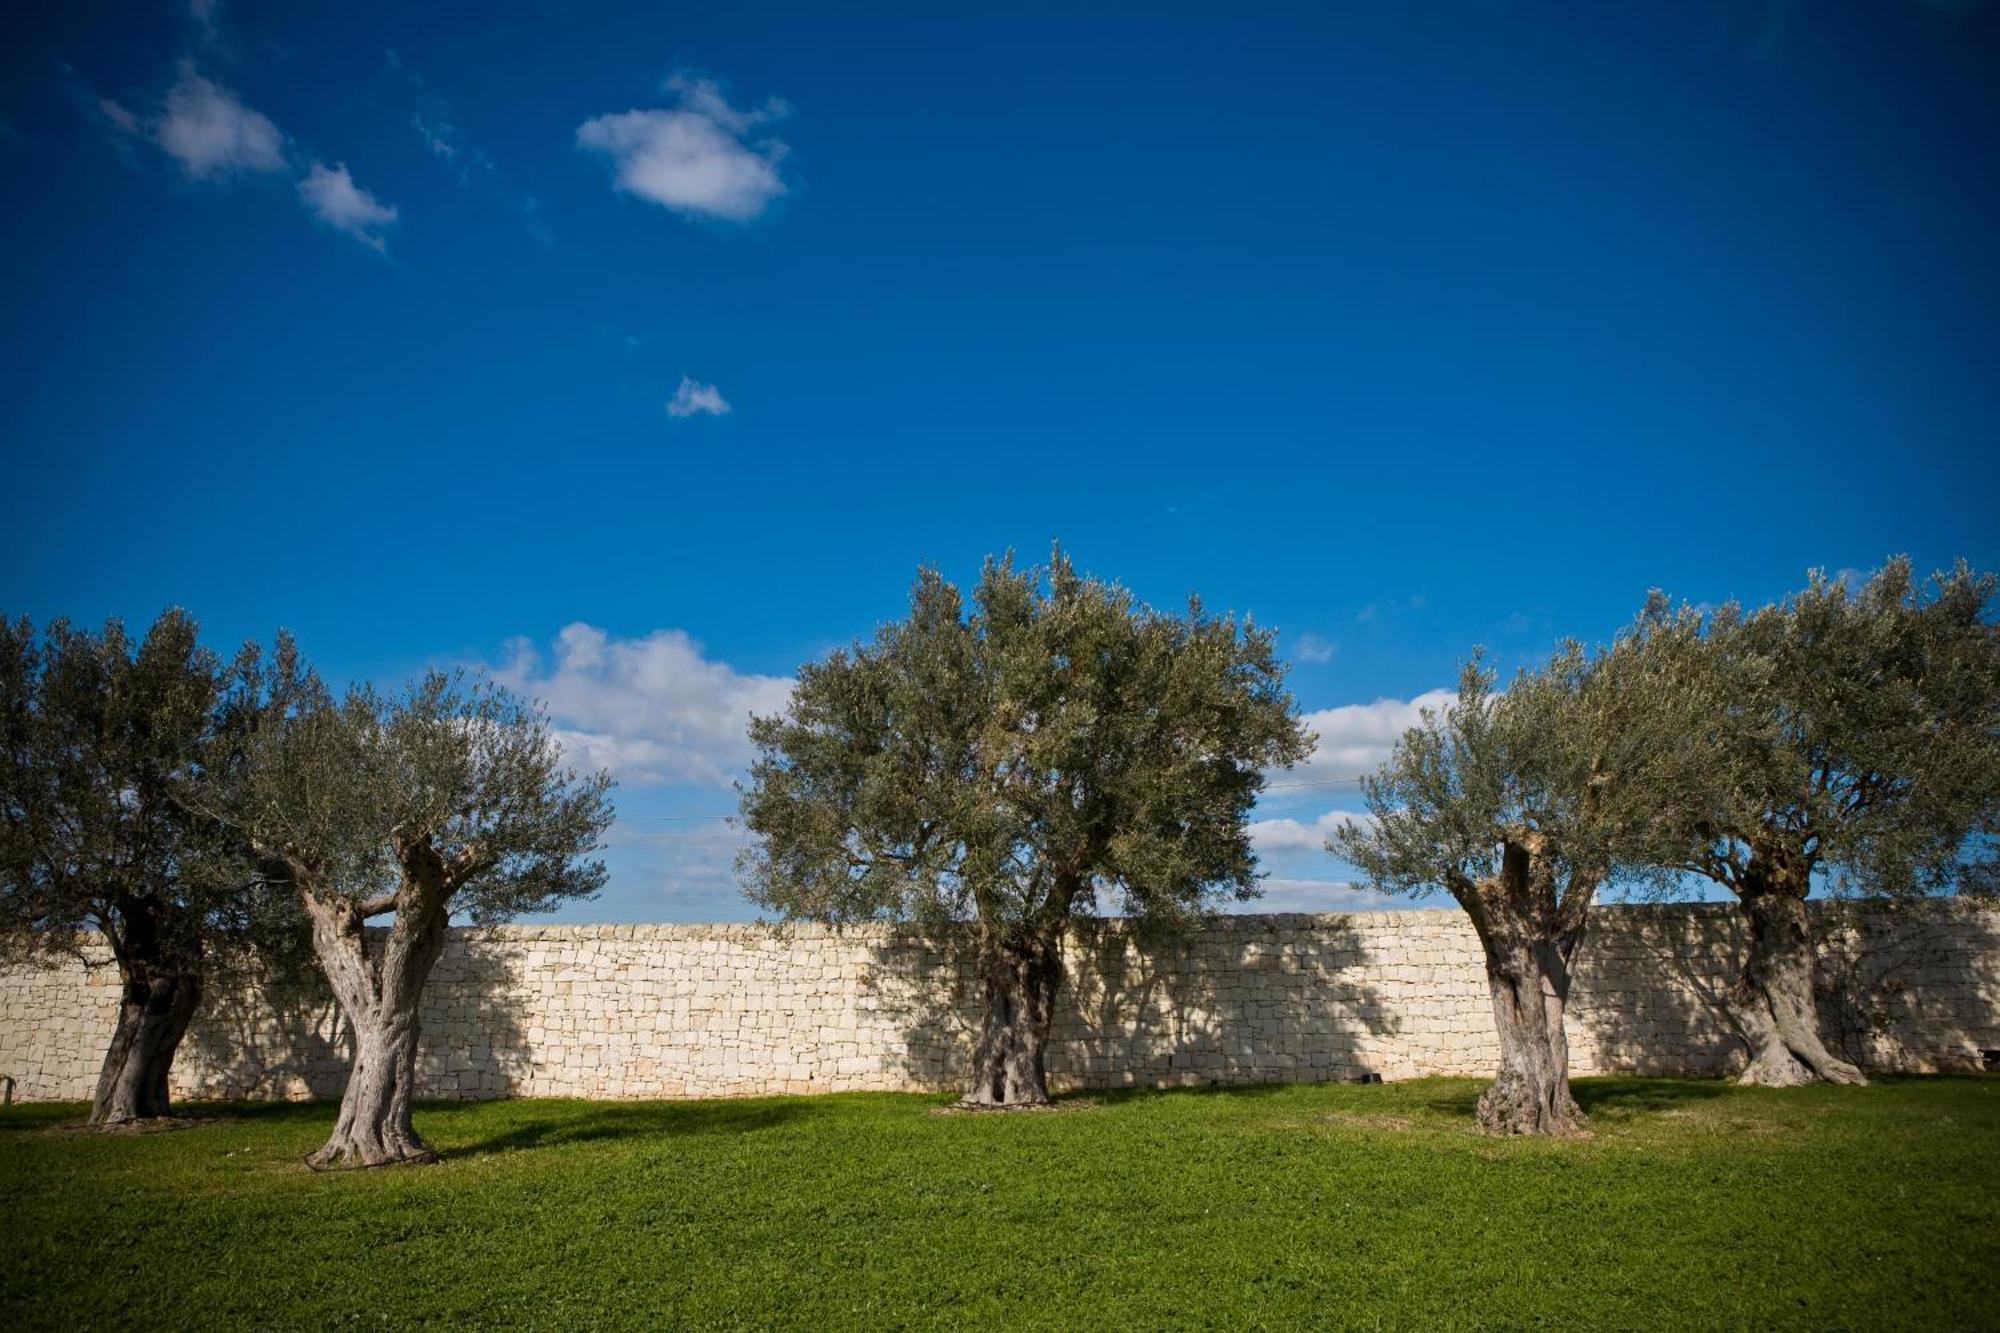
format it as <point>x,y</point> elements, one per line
<point>692,399</point>
<point>120,117</point>
<point>331,195</point>
<point>204,127</point>
<point>1312,648</point>
<point>693,159</point>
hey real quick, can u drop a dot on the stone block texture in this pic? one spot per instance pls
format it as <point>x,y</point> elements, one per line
<point>722,1010</point>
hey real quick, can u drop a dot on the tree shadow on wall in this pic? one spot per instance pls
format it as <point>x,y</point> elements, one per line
<point>1650,986</point>
<point>265,1034</point>
<point>1897,984</point>
<point>1233,1000</point>
<point>1900,986</point>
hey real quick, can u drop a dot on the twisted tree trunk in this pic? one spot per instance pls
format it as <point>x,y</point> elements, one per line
<point>154,1009</point>
<point>1022,976</point>
<point>1772,1001</point>
<point>1530,940</point>
<point>380,997</point>
<point>1530,1093</point>
<point>158,994</point>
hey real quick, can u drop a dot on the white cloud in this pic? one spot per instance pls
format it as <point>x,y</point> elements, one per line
<point>1292,835</point>
<point>332,196</point>
<point>693,159</point>
<point>1317,895</point>
<point>205,128</point>
<point>691,399</point>
<point>653,710</point>
<point>1312,648</point>
<point>1354,739</point>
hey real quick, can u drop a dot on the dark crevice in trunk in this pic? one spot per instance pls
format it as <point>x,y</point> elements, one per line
<point>1530,1092</point>
<point>380,997</point>
<point>159,990</point>
<point>1021,977</point>
<point>154,1009</point>
<point>1772,1002</point>
<point>1530,939</point>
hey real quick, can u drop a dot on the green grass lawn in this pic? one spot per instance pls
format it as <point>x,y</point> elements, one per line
<point>1694,1204</point>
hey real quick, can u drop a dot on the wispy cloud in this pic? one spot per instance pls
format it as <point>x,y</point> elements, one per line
<point>437,125</point>
<point>440,130</point>
<point>1313,648</point>
<point>213,136</point>
<point>1293,835</point>
<point>1317,895</point>
<point>331,195</point>
<point>206,16</point>
<point>694,399</point>
<point>695,158</point>
<point>654,710</point>
<point>208,130</point>
<point>690,860</point>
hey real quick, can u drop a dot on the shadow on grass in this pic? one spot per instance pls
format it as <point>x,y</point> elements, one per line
<point>1614,1096</point>
<point>1232,1091</point>
<point>602,1122</point>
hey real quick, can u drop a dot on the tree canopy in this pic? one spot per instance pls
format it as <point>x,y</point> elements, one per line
<point>1862,737</point>
<point>1058,748</point>
<point>1522,805</point>
<point>104,746</point>
<point>1858,751</point>
<point>1059,743</point>
<point>449,797</point>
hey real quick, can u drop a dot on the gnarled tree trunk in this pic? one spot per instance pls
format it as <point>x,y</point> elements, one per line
<point>159,990</point>
<point>1530,942</point>
<point>154,1009</point>
<point>1772,1001</point>
<point>380,997</point>
<point>1021,978</point>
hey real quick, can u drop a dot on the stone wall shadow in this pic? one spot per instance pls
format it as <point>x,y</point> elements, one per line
<point>1649,988</point>
<point>1231,1001</point>
<point>1904,986</point>
<point>1911,987</point>
<point>267,1034</point>
<point>473,1045</point>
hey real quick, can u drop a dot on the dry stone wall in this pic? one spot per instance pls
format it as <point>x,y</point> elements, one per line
<point>696,1011</point>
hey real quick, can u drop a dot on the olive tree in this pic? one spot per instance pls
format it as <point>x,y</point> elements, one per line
<point>1860,752</point>
<point>1521,805</point>
<point>445,798</point>
<point>102,740</point>
<point>1058,749</point>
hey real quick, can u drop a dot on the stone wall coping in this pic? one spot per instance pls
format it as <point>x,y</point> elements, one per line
<point>1230,924</point>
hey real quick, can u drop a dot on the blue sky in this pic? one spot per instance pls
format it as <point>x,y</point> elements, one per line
<point>1405,328</point>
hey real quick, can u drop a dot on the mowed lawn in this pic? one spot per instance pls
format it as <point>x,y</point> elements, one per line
<point>1694,1204</point>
